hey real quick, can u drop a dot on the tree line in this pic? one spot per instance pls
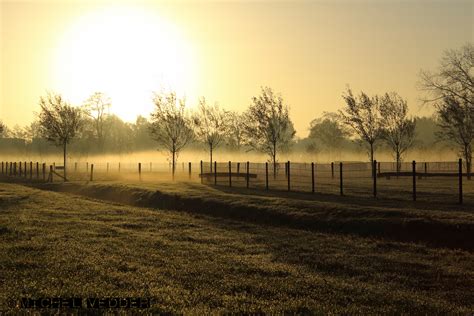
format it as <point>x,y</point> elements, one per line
<point>266,126</point>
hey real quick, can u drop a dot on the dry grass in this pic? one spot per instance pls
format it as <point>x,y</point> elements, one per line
<point>57,244</point>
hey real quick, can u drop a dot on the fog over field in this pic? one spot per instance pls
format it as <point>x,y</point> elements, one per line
<point>223,156</point>
<point>238,157</point>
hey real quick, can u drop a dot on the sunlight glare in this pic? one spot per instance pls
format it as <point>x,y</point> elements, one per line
<point>125,52</point>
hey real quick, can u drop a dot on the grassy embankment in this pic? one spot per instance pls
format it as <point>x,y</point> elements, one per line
<point>57,244</point>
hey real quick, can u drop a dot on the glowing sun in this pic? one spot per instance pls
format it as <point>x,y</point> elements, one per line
<point>125,52</point>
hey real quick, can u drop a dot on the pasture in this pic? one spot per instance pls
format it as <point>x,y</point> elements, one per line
<point>197,249</point>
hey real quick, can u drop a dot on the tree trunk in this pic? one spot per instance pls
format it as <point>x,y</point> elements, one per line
<point>397,154</point>
<point>372,159</point>
<point>173,167</point>
<point>64,159</point>
<point>274,161</point>
<point>468,158</point>
<point>210,152</point>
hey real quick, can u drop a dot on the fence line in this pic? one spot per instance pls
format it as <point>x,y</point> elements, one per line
<point>382,180</point>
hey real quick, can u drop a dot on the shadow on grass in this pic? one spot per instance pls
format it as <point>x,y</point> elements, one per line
<point>319,213</point>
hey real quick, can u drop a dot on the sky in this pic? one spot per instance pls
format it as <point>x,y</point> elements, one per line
<point>309,51</point>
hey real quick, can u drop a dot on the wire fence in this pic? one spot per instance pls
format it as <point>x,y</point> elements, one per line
<point>444,182</point>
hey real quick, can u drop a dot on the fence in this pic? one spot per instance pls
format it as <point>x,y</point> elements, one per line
<point>433,181</point>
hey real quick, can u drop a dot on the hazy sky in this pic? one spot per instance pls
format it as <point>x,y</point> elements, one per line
<point>306,50</point>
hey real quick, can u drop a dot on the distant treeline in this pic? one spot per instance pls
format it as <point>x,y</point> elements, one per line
<point>374,123</point>
<point>326,135</point>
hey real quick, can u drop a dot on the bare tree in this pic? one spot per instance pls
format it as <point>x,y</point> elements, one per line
<point>456,119</point>
<point>268,127</point>
<point>170,126</point>
<point>59,122</point>
<point>97,107</point>
<point>398,130</point>
<point>452,91</point>
<point>454,77</point>
<point>362,114</point>
<point>210,124</point>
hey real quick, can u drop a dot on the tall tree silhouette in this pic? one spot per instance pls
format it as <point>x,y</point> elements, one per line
<point>362,114</point>
<point>97,107</point>
<point>268,127</point>
<point>456,119</point>
<point>398,130</point>
<point>210,124</point>
<point>451,88</point>
<point>170,126</point>
<point>59,122</point>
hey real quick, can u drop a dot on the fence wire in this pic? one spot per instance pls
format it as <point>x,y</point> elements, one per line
<point>433,181</point>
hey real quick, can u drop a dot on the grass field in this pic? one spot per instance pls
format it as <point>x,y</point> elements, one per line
<point>255,255</point>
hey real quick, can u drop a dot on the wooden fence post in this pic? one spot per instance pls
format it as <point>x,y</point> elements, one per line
<point>230,174</point>
<point>2,167</point>
<point>266,175</point>
<point>37,170</point>
<point>413,167</point>
<point>248,174</point>
<point>289,175</point>
<point>460,180</point>
<point>201,173</point>
<point>31,170</point>
<point>340,179</point>
<point>215,172</point>
<point>238,167</point>
<point>189,170</point>
<point>140,171</point>
<point>87,167</point>
<point>312,177</point>
<point>332,170</point>
<point>25,170</point>
<point>20,171</point>
<point>92,172</point>
<point>51,176</point>
<point>375,179</point>
<point>75,167</point>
